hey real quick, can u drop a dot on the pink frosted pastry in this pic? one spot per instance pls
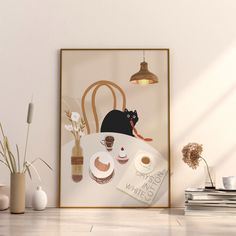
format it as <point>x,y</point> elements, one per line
<point>122,157</point>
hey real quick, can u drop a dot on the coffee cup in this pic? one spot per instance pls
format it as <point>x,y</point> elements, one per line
<point>108,142</point>
<point>145,161</point>
<point>229,182</point>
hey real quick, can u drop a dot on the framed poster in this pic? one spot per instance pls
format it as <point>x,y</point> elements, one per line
<point>114,128</point>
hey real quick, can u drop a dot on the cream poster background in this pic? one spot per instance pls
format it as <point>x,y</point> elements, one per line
<point>81,68</point>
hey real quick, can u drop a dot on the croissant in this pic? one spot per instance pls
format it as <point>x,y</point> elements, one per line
<point>101,166</point>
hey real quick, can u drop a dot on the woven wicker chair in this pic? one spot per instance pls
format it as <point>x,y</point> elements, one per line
<point>94,87</point>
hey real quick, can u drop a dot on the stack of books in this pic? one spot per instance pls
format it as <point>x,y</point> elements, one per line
<point>200,201</point>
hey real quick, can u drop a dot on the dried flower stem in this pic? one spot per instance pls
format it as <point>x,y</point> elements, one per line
<point>191,156</point>
<point>10,160</point>
<point>208,171</point>
<point>26,144</point>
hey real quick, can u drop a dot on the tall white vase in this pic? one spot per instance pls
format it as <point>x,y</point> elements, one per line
<point>39,200</point>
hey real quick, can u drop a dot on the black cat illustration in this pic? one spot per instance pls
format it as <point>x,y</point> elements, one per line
<point>120,122</point>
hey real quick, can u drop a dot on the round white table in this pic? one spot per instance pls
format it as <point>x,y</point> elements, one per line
<point>88,192</point>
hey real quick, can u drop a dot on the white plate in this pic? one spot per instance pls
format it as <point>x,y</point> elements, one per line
<point>105,158</point>
<point>140,167</point>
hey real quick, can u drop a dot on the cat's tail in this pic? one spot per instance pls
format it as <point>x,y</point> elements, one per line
<point>139,135</point>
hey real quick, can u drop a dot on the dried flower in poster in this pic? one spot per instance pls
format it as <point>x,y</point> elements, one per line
<point>77,124</point>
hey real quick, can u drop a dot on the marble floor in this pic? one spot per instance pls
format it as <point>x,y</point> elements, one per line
<point>77,222</point>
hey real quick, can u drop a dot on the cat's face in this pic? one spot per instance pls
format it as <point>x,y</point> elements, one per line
<point>131,115</point>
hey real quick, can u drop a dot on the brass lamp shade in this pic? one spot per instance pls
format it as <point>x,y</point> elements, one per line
<point>144,76</point>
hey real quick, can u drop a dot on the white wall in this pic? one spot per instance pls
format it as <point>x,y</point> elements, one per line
<point>201,36</point>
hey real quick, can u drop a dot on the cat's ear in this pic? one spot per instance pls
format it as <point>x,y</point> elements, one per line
<point>135,111</point>
<point>126,110</point>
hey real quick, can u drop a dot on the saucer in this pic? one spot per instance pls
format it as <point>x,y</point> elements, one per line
<point>145,169</point>
<point>226,190</point>
<point>122,160</point>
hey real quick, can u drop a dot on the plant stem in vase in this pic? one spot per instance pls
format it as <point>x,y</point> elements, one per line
<point>192,155</point>
<point>209,175</point>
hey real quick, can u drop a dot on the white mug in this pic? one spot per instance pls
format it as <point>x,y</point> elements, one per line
<point>229,182</point>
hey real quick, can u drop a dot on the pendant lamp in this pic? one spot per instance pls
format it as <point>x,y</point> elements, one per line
<point>144,76</point>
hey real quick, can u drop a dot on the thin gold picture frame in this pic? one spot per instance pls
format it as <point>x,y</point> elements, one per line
<point>168,117</point>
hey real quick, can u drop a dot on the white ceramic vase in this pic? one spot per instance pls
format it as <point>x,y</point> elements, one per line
<point>39,200</point>
<point>4,200</point>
